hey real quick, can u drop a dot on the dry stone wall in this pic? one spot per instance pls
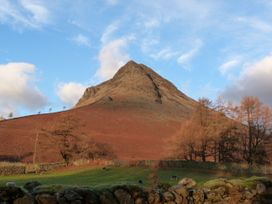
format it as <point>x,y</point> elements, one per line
<point>219,191</point>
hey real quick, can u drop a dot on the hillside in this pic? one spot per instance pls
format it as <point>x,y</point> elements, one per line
<point>135,113</point>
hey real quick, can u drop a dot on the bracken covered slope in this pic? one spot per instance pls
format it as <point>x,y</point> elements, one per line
<point>135,112</point>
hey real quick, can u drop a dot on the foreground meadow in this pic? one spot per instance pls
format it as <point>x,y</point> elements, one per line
<point>111,176</point>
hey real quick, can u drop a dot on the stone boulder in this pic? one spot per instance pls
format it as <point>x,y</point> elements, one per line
<point>27,199</point>
<point>106,197</point>
<point>46,199</point>
<point>9,194</point>
<point>123,196</point>
<point>30,186</point>
<point>187,183</point>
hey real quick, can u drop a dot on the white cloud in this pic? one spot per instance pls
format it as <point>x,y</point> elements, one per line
<point>39,13</point>
<point>255,23</point>
<point>228,66</point>
<point>147,44</point>
<point>185,58</point>
<point>107,35</point>
<point>255,80</point>
<point>18,89</point>
<point>152,23</point>
<point>70,92</point>
<point>194,10</point>
<point>81,40</point>
<point>165,54</point>
<point>112,57</point>
<point>24,13</point>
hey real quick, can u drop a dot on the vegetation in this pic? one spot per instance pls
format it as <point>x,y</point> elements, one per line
<point>112,176</point>
<point>65,135</point>
<point>227,133</point>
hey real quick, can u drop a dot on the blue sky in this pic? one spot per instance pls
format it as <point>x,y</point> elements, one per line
<point>50,51</point>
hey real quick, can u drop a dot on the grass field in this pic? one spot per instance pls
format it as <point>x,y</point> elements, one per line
<point>113,176</point>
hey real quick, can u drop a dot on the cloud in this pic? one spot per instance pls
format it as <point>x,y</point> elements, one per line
<point>194,10</point>
<point>69,93</point>
<point>81,40</point>
<point>255,23</point>
<point>228,66</point>
<point>18,88</point>
<point>111,58</point>
<point>185,58</point>
<point>24,13</point>
<point>107,35</point>
<point>152,23</point>
<point>165,54</point>
<point>254,80</point>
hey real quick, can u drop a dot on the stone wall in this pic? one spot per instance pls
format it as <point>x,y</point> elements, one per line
<point>11,169</point>
<point>7,169</point>
<point>235,168</point>
<point>185,192</point>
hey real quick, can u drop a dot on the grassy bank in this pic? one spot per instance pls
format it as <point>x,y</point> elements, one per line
<point>111,176</point>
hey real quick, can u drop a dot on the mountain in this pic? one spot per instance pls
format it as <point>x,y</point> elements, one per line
<point>135,113</point>
<point>138,86</point>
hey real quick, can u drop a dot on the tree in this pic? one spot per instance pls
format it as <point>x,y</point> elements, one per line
<point>198,135</point>
<point>256,119</point>
<point>10,115</point>
<point>64,134</point>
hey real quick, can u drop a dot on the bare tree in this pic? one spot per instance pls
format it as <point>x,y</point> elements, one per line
<point>255,129</point>
<point>65,135</point>
<point>10,115</point>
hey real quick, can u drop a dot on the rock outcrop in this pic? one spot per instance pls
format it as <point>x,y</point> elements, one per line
<point>138,85</point>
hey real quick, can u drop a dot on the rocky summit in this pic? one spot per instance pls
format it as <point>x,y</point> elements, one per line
<point>136,85</point>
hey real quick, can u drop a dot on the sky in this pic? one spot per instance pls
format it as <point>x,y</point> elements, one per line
<point>50,51</point>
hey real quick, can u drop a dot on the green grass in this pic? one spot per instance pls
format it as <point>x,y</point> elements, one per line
<point>95,177</point>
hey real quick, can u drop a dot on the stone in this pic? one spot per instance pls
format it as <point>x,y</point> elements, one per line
<point>106,197</point>
<point>248,195</point>
<point>27,199</point>
<point>221,190</point>
<point>178,198</point>
<point>247,202</point>
<point>11,184</point>
<point>91,198</point>
<point>154,198</point>
<point>69,196</point>
<point>214,197</point>
<point>199,196</point>
<point>140,201</point>
<point>187,183</point>
<point>46,199</point>
<point>260,188</point>
<point>123,196</point>
<point>9,194</point>
<point>180,190</point>
<point>30,186</point>
<point>168,196</point>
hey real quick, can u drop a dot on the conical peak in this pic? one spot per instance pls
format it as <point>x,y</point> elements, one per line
<point>131,67</point>
<point>135,84</point>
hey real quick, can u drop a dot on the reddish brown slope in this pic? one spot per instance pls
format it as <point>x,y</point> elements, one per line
<point>135,113</point>
<point>133,134</point>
